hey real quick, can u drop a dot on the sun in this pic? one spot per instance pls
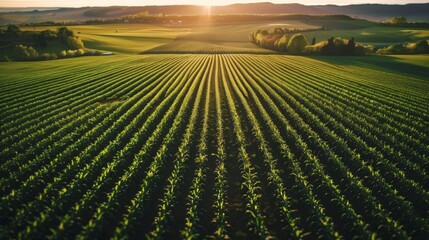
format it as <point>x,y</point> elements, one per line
<point>207,9</point>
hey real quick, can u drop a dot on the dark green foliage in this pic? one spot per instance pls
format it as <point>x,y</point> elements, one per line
<point>282,43</point>
<point>43,57</point>
<point>28,53</point>
<point>25,52</point>
<point>397,48</point>
<point>329,48</point>
<point>44,37</point>
<point>264,32</point>
<point>398,20</point>
<point>350,47</point>
<point>339,46</point>
<point>64,33</point>
<point>13,35</point>
<point>40,40</point>
<point>69,38</point>
<point>49,35</point>
<point>276,30</point>
<point>28,41</point>
<point>265,39</point>
<point>420,47</point>
<point>296,44</point>
<point>277,38</point>
<point>251,36</point>
<point>13,31</point>
<point>74,43</point>
<point>363,49</point>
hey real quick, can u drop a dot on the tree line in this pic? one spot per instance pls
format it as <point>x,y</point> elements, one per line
<point>292,41</point>
<point>401,21</point>
<point>420,47</point>
<point>25,45</point>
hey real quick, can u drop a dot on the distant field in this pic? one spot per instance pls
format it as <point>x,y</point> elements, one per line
<point>223,38</point>
<point>375,35</point>
<point>122,38</point>
<point>239,145</point>
<point>226,38</point>
<point>190,46</point>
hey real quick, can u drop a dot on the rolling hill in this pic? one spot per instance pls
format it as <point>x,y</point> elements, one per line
<point>377,12</point>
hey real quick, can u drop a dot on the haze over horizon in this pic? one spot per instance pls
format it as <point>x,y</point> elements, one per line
<point>82,3</point>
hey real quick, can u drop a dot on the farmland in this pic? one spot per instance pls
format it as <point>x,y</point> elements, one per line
<point>198,145</point>
<point>190,131</point>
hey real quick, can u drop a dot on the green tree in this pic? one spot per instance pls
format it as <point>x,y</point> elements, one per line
<point>297,44</point>
<point>49,35</point>
<point>275,30</point>
<point>397,48</point>
<point>329,48</point>
<point>74,42</point>
<point>40,40</point>
<point>283,42</point>
<point>261,36</point>
<point>13,31</point>
<point>398,20</point>
<point>351,43</point>
<point>26,53</point>
<point>64,33</point>
<point>422,46</point>
<point>350,48</point>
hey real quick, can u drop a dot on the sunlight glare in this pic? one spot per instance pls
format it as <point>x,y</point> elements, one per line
<point>207,8</point>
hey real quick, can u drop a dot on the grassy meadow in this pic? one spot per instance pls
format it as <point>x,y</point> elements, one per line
<point>193,132</point>
<point>226,38</point>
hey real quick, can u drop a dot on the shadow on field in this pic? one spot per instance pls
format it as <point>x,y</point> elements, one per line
<point>207,47</point>
<point>391,64</point>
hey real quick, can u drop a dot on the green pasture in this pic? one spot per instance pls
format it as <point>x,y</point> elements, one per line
<point>121,38</point>
<point>406,65</point>
<point>374,35</point>
<point>226,38</point>
<point>137,38</point>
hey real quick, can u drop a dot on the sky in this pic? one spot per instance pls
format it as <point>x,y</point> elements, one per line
<point>83,3</point>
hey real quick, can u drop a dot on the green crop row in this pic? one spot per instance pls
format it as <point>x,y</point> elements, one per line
<point>213,146</point>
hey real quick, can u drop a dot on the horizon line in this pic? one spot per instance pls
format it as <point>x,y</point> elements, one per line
<point>220,5</point>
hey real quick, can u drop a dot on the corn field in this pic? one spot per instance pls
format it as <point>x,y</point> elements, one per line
<point>213,146</point>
